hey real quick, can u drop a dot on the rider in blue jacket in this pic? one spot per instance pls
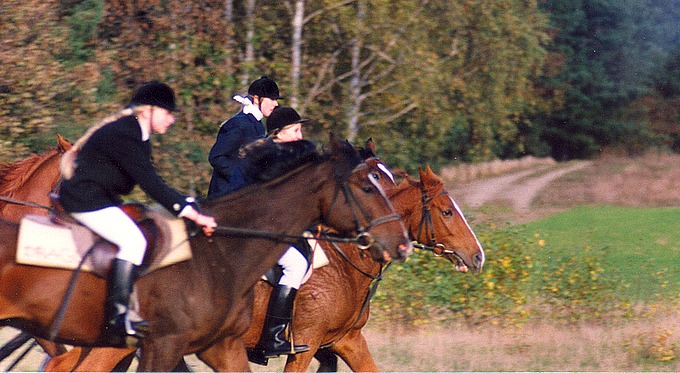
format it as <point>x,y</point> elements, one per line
<point>241,129</point>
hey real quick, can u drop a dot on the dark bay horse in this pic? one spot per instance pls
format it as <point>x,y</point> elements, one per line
<point>30,180</point>
<point>204,305</point>
<point>328,310</point>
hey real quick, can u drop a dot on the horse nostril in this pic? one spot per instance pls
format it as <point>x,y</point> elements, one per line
<point>405,249</point>
<point>478,260</point>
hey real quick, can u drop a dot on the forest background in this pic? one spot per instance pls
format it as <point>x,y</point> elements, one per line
<point>431,81</point>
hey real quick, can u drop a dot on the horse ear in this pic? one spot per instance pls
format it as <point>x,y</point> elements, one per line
<point>428,170</point>
<point>428,177</point>
<point>370,145</point>
<point>335,144</point>
<point>63,144</point>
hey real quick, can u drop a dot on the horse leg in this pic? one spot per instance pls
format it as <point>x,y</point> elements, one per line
<point>227,355</point>
<point>161,354</point>
<point>51,348</point>
<point>300,361</point>
<point>328,360</point>
<point>83,359</point>
<point>353,349</point>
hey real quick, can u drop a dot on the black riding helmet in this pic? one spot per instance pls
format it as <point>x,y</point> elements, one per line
<point>281,117</point>
<point>264,87</point>
<point>155,94</point>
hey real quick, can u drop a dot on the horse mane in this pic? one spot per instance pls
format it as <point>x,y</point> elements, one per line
<point>14,175</point>
<point>429,181</point>
<point>266,160</point>
<point>269,163</point>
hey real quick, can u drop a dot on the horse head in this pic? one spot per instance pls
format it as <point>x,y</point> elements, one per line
<point>360,205</point>
<point>431,215</point>
<point>443,226</point>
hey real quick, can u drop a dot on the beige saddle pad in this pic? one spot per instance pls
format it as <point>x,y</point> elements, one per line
<point>47,244</point>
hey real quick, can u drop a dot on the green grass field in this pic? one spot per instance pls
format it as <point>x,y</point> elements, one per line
<point>640,247</point>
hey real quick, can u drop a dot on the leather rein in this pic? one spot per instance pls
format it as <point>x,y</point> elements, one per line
<point>364,239</point>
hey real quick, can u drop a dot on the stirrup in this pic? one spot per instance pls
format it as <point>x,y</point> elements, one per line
<point>292,350</point>
<point>123,332</point>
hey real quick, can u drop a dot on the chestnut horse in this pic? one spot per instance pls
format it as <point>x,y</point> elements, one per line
<point>329,309</point>
<point>25,188</point>
<point>30,180</point>
<point>204,305</point>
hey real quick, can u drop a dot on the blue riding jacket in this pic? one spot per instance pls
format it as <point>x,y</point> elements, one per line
<point>236,132</point>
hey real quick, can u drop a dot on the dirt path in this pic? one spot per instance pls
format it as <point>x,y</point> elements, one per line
<point>515,191</point>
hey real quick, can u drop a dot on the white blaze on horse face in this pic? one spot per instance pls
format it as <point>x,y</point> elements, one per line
<point>387,172</point>
<point>479,244</point>
<point>384,196</point>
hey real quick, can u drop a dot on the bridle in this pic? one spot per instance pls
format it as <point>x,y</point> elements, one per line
<point>364,239</point>
<point>427,226</point>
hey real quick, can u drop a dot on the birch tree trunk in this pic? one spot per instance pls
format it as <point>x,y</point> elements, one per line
<point>355,85</point>
<point>296,53</point>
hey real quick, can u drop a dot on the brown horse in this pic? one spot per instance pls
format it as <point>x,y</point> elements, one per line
<point>204,305</point>
<point>329,312</point>
<point>30,180</point>
<point>25,188</point>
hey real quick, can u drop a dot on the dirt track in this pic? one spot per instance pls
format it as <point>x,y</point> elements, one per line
<point>511,196</point>
<point>520,188</point>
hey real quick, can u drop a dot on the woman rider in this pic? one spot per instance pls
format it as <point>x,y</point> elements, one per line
<point>111,159</point>
<point>283,125</point>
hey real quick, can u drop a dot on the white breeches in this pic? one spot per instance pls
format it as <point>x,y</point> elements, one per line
<point>294,268</point>
<point>115,226</point>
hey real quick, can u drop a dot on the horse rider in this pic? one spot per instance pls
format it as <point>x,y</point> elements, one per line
<point>284,125</point>
<point>110,160</point>
<point>239,130</point>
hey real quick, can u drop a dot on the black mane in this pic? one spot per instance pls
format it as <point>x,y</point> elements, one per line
<point>266,160</point>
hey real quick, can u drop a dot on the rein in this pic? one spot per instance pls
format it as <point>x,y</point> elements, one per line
<point>275,236</point>
<point>24,203</point>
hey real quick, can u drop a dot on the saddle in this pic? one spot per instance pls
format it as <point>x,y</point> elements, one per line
<point>58,241</point>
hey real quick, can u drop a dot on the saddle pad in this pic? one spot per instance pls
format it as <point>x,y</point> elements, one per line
<point>180,249</point>
<point>319,259</point>
<point>45,244</point>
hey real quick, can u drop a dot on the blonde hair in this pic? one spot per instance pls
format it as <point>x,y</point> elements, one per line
<point>68,163</point>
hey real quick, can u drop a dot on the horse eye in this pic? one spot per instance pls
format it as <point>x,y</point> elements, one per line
<point>448,212</point>
<point>375,175</point>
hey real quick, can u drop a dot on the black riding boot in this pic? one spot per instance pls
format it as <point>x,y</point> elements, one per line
<point>122,331</point>
<point>279,315</point>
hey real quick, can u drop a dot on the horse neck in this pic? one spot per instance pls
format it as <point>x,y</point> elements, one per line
<point>351,265</point>
<point>293,205</point>
<point>407,201</point>
<point>30,180</point>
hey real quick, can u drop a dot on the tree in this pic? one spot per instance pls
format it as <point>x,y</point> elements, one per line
<point>611,50</point>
